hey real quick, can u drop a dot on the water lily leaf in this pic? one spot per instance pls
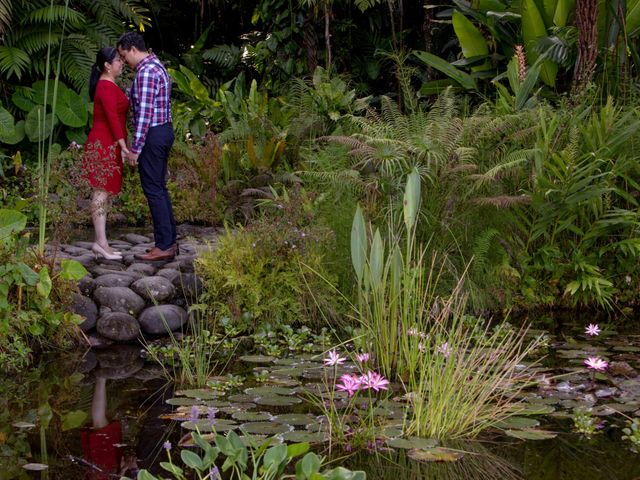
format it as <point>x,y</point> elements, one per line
<point>252,416</point>
<point>241,397</point>
<point>531,434</point>
<point>287,361</point>
<point>304,436</point>
<point>533,409</point>
<point>295,419</point>
<point>437,454</point>
<point>277,401</point>
<point>35,467</point>
<point>24,425</point>
<point>412,442</point>
<point>265,428</point>
<point>204,425</point>
<point>177,401</point>
<point>518,423</point>
<point>257,359</point>
<point>200,393</point>
<point>269,390</point>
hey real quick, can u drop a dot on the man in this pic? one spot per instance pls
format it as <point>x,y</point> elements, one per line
<point>152,139</point>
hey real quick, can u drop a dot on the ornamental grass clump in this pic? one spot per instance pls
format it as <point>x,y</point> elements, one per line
<point>458,382</point>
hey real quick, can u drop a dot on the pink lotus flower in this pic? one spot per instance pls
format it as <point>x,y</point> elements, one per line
<point>362,357</point>
<point>374,381</point>
<point>350,384</point>
<point>592,329</point>
<point>444,349</point>
<point>596,363</point>
<point>334,359</point>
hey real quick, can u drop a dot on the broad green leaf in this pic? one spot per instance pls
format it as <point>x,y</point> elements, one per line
<point>44,285</point>
<point>36,126</point>
<point>297,449</point>
<point>310,464</point>
<point>274,457</point>
<point>39,88</point>
<point>15,136</point>
<point>411,203</point>
<point>563,10</point>
<point>71,109</point>
<point>145,475</point>
<point>547,9</point>
<point>72,270</point>
<point>7,123</point>
<point>28,275</point>
<point>489,5</point>
<point>171,468</point>
<point>74,419</point>
<point>376,258</point>
<point>633,18</point>
<point>445,67</point>
<point>531,434</point>
<point>436,87</point>
<point>471,40</point>
<point>358,244</point>
<point>533,27</point>
<point>191,459</point>
<point>11,221</point>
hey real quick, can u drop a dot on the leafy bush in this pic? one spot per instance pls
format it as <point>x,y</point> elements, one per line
<point>265,272</point>
<point>33,296</point>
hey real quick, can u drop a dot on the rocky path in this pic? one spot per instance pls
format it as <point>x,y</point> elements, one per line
<point>122,300</point>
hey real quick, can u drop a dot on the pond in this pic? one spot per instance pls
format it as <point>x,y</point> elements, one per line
<point>46,415</point>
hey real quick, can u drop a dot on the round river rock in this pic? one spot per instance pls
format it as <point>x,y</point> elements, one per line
<point>156,289</point>
<point>161,318</point>
<point>119,299</point>
<point>118,326</point>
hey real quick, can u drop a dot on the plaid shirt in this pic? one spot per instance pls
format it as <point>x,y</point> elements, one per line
<point>150,101</point>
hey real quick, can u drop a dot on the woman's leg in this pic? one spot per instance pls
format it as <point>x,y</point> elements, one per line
<point>99,217</point>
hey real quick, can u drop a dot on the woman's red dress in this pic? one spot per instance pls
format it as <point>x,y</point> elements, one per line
<point>102,157</point>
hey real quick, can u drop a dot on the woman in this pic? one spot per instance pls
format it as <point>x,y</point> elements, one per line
<point>106,143</point>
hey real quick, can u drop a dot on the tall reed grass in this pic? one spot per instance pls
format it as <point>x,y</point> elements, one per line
<point>458,382</point>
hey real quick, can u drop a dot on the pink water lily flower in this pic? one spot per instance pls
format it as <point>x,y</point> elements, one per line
<point>349,383</point>
<point>596,363</point>
<point>334,358</point>
<point>374,381</point>
<point>592,329</point>
<point>362,357</point>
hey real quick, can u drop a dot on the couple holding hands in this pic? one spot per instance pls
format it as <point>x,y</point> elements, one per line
<point>106,148</point>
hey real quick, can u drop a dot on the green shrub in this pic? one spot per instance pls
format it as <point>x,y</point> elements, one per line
<point>266,272</point>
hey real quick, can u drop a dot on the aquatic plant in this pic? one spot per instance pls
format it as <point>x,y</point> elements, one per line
<point>596,363</point>
<point>458,385</point>
<point>592,330</point>
<point>585,423</point>
<point>632,432</point>
<point>249,461</point>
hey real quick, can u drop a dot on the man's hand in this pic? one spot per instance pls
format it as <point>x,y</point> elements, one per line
<point>133,158</point>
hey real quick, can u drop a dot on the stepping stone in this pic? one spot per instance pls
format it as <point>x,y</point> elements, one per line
<point>86,285</point>
<point>86,308</point>
<point>119,299</point>
<point>135,238</point>
<point>155,289</point>
<point>169,273</point>
<point>160,319</point>
<point>114,280</point>
<point>86,245</point>
<point>118,326</point>
<point>77,251</point>
<point>143,268</point>
<point>190,285</point>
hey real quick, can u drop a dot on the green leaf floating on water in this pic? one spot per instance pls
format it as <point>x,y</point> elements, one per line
<point>531,434</point>
<point>518,422</point>
<point>257,359</point>
<point>200,393</point>
<point>265,428</point>
<point>182,401</point>
<point>437,454</point>
<point>412,442</point>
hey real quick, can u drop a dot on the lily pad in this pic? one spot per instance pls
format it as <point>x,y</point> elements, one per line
<point>265,428</point>
<point>200,393</point>
<point>241,397</point>
<point>625,348</point>
<point>287,361</point>
<point>518,423</point>
<point>204,425</point>
<point>298,436</point>
<point>277,401</point>
<point>257,359</point>
<point>35,467</point>
<point>295,419</point>
<point>184,401</point>
<point>252,416</point>
<point>412,442</point>
<point>268,390</point>
<point>531,434</point>
<point>392,432</point>
<point>532,409</point>
<point>437,454</point>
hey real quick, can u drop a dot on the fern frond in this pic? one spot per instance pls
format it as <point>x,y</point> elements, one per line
<point>223,56</point>
<point>503,201</point>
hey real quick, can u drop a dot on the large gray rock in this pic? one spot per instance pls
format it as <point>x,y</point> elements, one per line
<point>119,299</point>
<point>97,271</point>
<point>162,318</point>
<point>86,245</point>
<point>86,285</point>
<point>114,280</point>
<point>86,260</point>
<point>76,251</point>
<point>169,273</point>
<point>155,289</point>
<point>134,238</point>
<point>121,327</point>
<point>85,307</point>
<point>143,268</point>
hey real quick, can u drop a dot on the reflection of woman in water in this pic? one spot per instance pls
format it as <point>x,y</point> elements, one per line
<point>102,444</point>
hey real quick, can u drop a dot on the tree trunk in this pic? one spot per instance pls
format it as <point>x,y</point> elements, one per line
<point>327,32</point>
<point>587,23</point>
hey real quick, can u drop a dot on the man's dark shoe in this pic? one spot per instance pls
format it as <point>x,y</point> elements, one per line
<point>156,254</point>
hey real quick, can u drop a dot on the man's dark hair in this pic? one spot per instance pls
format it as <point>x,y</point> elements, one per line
<point>131,39</point>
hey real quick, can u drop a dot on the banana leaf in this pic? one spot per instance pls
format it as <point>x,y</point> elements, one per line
<point>563,10</point>
<point>547,9</point>
<point>464,79</point>
<point>471,40</point>
<point>488,5</point>
<point>533,28</point>
<point>633,18</point>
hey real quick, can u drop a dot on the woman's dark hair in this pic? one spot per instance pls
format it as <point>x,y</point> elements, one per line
<point>106,54</point>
